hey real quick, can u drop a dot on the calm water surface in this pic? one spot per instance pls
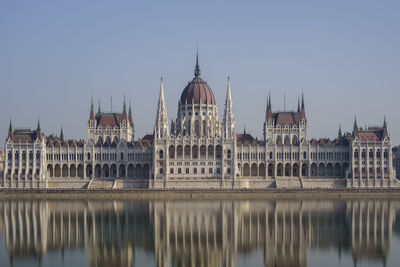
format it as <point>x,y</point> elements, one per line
<point>301,232</point>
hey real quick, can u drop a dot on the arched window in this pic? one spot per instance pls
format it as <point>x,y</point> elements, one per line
<point>371,154</point>
<point>356,153</point>
<point>122,156</point>
<point>363,154</point>
<point>378,153</point>
<point>161,154</point>
<point>228,154</point>
<point>385,154</point>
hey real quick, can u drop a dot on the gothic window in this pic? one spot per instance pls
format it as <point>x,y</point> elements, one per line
<point>203,170</point>
<point>363,154</point>
<point>385,154</point>
<point>270,155</point>
<point>122,156</point>
<point>187,170</point>
<point>210,170</point>
<point>161,170</point>
<point>371,153</point>
<point>171,152</point>
<point>88,156</point>
<point>171,171</point>
<point>161,154</point>
<point>304,155</point>
<point>356,153</point>
<point>378,153</point>
<point>179,170</point>
<point>228,154</point>
<point>278,138</point>
<point>228,170</point>
<point>195,170</point>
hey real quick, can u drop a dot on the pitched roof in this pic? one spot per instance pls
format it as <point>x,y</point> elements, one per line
<point>25,136</point>
<point>286,118</point>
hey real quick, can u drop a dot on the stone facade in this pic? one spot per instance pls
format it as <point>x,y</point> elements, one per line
<point>198,150</point>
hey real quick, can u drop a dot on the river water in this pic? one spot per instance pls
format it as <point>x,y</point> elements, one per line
<point>275,232</point>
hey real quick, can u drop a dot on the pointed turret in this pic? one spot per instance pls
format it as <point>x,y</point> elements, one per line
<point>161,125</point>
<point>130,113</point>
<point>10,130</point>
<point>98,108</point>
<point>124,115</point>
<point>197,71</point>
<point>302,111</point>
<point>355,126</point>
<point>229,117</point>
<point>298,105</point>
<point>38,126</point>
<point>62,134</point>
<point>340,131</point>
<point>385,130</point>
<point>91,116</point>
<point>244,129</point>
<point>269,108</point>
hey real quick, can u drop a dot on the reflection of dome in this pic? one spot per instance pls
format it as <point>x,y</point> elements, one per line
<point>197,91</point>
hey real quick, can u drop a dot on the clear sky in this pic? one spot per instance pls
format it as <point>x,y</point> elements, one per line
<point>344,56</point>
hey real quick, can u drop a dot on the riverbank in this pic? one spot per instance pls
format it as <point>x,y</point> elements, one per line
<point>199,194</point>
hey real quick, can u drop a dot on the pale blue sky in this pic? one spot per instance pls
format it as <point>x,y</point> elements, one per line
<point>344,55</point>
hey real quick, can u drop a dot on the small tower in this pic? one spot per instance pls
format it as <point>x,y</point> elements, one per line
<point>385,129</point>
<point>62,134</point>
<point>340,131</point>
<point>38,126</point>
<point>229,117</point>
<point>355,127</point>
<point>161,124</point>
<point>10,130</point>
<point>91,115</point>
<point>302,111</point>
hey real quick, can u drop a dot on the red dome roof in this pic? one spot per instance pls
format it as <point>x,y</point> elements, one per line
<point>197,91</point>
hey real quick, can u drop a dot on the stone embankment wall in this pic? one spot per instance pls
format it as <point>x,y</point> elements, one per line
<point>194,184</point>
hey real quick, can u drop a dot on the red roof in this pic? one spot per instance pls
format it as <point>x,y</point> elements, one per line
<point>286,118</point>
<point>24,136</point>
<point>197,92</point>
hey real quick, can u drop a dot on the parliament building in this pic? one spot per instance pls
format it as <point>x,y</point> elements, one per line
<point>198,150</point>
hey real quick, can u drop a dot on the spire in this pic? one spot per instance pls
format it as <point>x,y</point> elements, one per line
<point>269,108</point>
<point>340,131</point>
<point>130,112</point>
<point>244,129</point>
<point>229,118</point>
<point>99,110</point>
<point>298,105</point>
<point>38,125</point>
<point>197,71</point>
<point>124,110</point>
<point>302,111</point>
<point>62,133</point>
<point>384,123</point>
<point>10,130</point>
<point>124,106</point>
<point>355,126</point>
<point>161,125</point>
<point>91,115</point>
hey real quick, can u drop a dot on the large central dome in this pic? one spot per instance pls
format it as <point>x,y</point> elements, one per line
<point>197,91</point>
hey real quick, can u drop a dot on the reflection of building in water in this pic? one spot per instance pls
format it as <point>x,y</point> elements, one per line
<point>33,228</point>
<point>200,233</point>
<point>215,233</point>
<point>372,224</point>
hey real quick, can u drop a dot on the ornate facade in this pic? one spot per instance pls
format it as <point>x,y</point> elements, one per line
<point>199,150</point>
